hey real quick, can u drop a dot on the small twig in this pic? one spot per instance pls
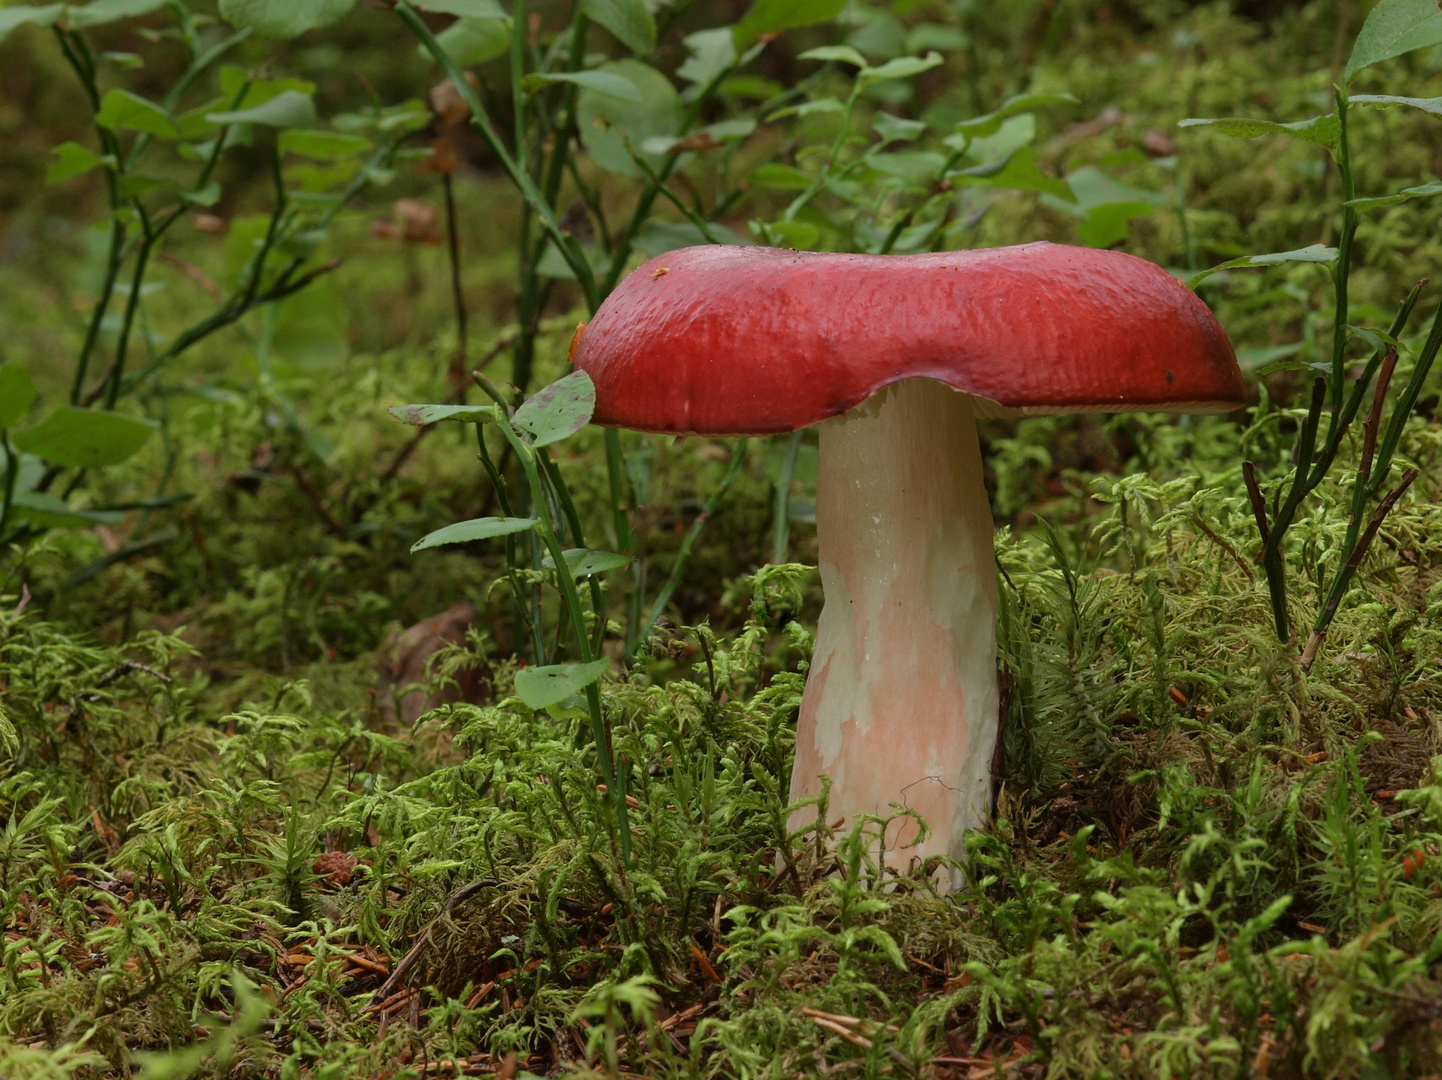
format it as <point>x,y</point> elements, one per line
<point>25,597</point>
<point>130,665</point>
<point>314,497</point>
<point>1228,547</point>
<point>458,296</point>
<point>460,896</point>
<point>845,1032</point>
<point>195,273</point>
<point>1373,422</point>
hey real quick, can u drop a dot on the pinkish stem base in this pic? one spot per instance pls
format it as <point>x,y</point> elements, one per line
<point>901,703</point>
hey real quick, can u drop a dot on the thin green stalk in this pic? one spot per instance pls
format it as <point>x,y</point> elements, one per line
<point>683,553</point>
<point>1272,561</point>
<point>573,523</point>
<point>272,227</point>
<point>453,250</point>
<point>518,72</point>
<point>85,72</point>
<point>503,499</point>
<point>10,470</point>
<point>1359,391</point>
<point>642,210</point>
<point>132,302</point>
<point>660,185</point>
<point>567,245</point>
<point>781,512</point>
<point>279,289</point>
<point>571,602</point>
<point>1344,259</point>
<point>618,485</point>
<point>197,68</point>
<point>836,147</point>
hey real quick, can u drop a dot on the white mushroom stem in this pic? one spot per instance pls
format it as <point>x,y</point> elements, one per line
<point>901,702</point>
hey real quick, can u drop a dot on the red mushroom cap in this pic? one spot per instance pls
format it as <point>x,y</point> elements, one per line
<point>751,341</point>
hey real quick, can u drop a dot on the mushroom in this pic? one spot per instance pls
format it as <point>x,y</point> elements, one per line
<point>896,357</point>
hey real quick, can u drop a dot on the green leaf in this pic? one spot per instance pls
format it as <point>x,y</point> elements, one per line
<point>135,184</point>
<point>465,9</point>
<point>108,11</point>
<point>713,52</point>
<point>1260,360</point>
<point>1431,105</point>
<point>474,41</point>
<point>913,166</point>
<point>206,196</point>
<point>1020,172</point>
<point>84,438</point>
<point>421,415</point>
<point>707,138</point>
<point>1322,130</point>
<point>1108,223</point>
<point>773,16</point>
<point>257,91</point>
<point>903,67</point>
<point>1316,253</point>
<point>558,411</point>
<point>11,17</point>
<point>893,128</point>
<point>288,109</point>
<point>1014,133</point>
<point>54,513</point>
<point>1421,191</point>
<point>797,235</point>
<point>780,177</point>
<point>602,82</point>
<point>842,53</point>
<point>17,393</point>
<point>122,110</point>
<point>540,687</point>
<point>1378,339</point>
<point>463,532</point>
<point>584,562</point>
<point>1395,27</point>
<point>658,237</point>
<point>604,117</point>
<point>283,18</point>
<point>991,123</point>
<point>630,21</point>
<point>74,159</point>
<point>1092,187</point>
<point>806,108</point>
<point>323,145</point>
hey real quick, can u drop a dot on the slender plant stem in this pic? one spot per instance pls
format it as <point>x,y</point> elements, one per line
<point>781,512</point>
<point>571,602</point>
<point>503,499</point>
<point>10,471</point>
<point>453,248</point>
<point>683,554</point>
<point>578,537</point>
<point>1359,391</point>
<point>567,245</point>
<point>836,147</point>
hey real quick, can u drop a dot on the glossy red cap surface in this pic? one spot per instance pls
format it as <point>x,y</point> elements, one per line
<point>750,341</point>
